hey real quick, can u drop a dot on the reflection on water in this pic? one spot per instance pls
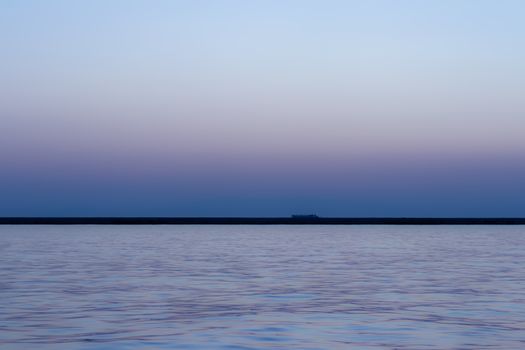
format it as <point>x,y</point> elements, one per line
<point>262,287</point>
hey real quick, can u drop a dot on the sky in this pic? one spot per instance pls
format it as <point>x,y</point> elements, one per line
<point>262,108</point>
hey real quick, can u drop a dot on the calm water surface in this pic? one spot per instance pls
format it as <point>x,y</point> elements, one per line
<point>262,287</point>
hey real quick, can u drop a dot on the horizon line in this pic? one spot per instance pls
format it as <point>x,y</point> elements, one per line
<point>247,220</point>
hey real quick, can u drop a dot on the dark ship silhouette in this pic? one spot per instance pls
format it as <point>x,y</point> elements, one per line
<point>305,216</point>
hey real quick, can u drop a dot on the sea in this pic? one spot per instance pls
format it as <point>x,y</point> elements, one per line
<point>262,287</point>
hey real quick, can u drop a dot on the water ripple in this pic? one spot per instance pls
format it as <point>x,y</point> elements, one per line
<point>268,287</point>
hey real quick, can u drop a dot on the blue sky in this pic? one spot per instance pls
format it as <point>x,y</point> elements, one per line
<point>365,108</point>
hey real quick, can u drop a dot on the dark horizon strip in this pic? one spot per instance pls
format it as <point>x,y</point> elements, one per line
<point>255,221</point>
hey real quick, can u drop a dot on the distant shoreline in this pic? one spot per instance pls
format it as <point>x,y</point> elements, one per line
<point>255,221</point>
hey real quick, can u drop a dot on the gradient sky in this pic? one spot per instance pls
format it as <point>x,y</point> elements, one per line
<point>263,108</point>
